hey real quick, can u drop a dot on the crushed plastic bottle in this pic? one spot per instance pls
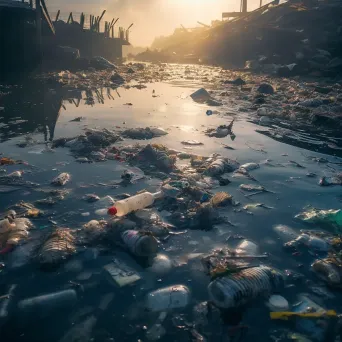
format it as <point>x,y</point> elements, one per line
<point>329,270</point>
<point>168,298</point>
<point>238,288</point>
<point>310,241</point>
<point>134,203</point>
<point>61,179</point>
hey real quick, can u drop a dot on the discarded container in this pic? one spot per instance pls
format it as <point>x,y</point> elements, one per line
<point>329,270</point>
<point>120,274</point>
<point>140,243</point>
<point>168,298</point>
<point>61,179</point>
<point>134,203</point>
<point>278,303</point>
<point>45,304</point>
<point>161,265</point>
<point>237,289</point>
<point>247,247</point>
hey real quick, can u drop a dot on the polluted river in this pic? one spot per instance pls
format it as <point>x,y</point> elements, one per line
<point>235,226</point>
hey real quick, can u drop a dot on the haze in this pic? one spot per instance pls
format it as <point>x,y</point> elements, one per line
<point>152,18</point>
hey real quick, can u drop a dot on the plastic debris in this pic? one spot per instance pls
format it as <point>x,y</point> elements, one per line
<point>326,181</point>
<point>44,305</point>
<point>252,187</point>
<point>161,265</point>
<point>140,243</point>
<point>250,166</point>
<point>121,274</point>
<point>332,217</point>
<point>61,179</point>
<point>247,247</point>
<point>168,298</point>
<point>58,246</point>
<point>221,199</point>
<point>249,284</point>
<point>329,270</point>
<point>136,202</point>
<point>277,303</point>
<point>192,142</point>
<point>310,241</point>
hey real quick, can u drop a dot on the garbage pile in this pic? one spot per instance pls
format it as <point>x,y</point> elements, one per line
<point>310,42</point>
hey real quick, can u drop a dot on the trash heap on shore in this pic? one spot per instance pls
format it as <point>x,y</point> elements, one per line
<point>286,39</point>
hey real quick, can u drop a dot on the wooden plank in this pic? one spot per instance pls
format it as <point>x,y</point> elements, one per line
<point>57,15</point>
<point>232,14</point>
<point>47,16</point>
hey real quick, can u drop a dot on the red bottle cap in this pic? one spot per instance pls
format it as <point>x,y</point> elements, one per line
<point>112,211</point>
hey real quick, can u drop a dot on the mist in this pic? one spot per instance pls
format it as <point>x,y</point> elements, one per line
<point>152,18</point>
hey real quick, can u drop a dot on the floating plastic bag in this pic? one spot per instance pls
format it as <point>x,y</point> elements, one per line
<point>332,217</point>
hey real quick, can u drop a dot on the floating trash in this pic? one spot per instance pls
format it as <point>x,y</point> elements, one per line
<point>61,179</point>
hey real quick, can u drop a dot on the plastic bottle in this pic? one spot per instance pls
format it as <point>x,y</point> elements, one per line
<point>217,167</point>
<point>134,203</point>
<point>172,297</point>
<point>139,243</point>
<point>238,288</point>
<point>43,305</point>
<point>102,205</point>
<point>328,270</point>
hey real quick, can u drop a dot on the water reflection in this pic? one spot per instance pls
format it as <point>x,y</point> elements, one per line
<point>36,108</point>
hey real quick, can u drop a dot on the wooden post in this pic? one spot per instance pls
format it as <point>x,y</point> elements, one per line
<point>57,15</point>
<point>39,27</point>
<point>260,3</point>
<point>244,6</point>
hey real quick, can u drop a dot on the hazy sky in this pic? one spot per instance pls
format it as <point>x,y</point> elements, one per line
<point>151,18</point>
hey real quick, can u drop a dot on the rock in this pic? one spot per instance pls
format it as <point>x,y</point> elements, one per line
<point>238,82</point>
<point>67,53</point>
<point>311,103</point>
<point>265,88</point>
<point>117,79</point>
